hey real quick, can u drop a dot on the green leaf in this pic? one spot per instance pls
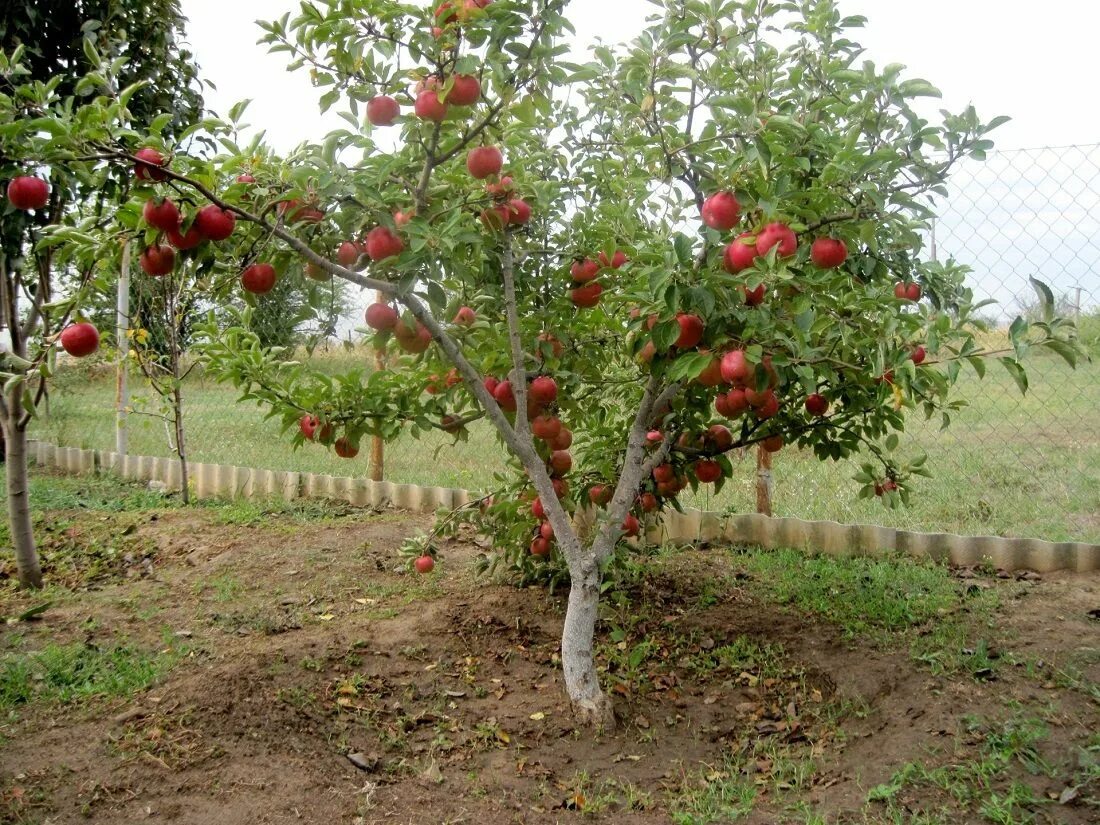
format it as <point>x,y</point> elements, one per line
<point>1017,373</point>
<point>1046,298</point>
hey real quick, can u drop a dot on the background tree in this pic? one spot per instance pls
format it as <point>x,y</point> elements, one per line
<point>68,54</point>
<point>630,267</point>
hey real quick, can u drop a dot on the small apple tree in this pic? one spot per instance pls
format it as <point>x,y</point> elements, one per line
<point>629,267</point>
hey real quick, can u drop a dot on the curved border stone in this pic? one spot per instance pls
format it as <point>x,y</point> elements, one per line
<point>219,480</point>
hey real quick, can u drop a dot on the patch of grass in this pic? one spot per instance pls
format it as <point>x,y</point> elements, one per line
<point>888,601</point>
<point>985,783</point>
<point>73,672</point>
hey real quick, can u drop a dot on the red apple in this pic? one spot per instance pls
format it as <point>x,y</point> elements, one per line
<point>721,211</point>
<point>245,178</point>
<point>149,164</point>
<point>413,340</point>
<point>754,297</point>
<point>563,441</point>
<point>382,110</point>
<point>484,162</point>
<point>828,253</point>
<point>382,243</point>
<point>465,91</point>
<point>187,240</point>
<point>158,260</point>
<point>545,427</point>
<point>707,471</point>
<point>258,279</point>
<point>429,107</point>
<point>887,485</point>
<point>918,355</point>
<point>28,193</point>
<point>540,546</point>
<point>308,425</point>
<point>348,254</point>
<point>402,218</point>
<point>664,473</point>
<point>719,437</point>
<point>600,494</point>
<point>648,502</point>
<point>631,525</point>
<point>769,408</point>
<point>424,564</point>
<point>164,215</point>
<point>817,404</point>
<point>740,254</point>
<point>584,271</point>
<point>691,331</point>
<point>381,317</point>
<point>519,211</point>
<point>587,296</point>
<point>712,375</point>
<point>544,390</point>
<point>913,292</point>
<point>215,223</point>
<point>501,190</point>
<point>556,346</point>
<point>736,368</point>
<point>345,448</point>
<point>654,437</point>
<point>776,235</point>
<point>80,339</point>
<point>504,396</point>
<point>465,316</point>
<point>618,260</point>
<point>561,487</point>
<point>773,443</point>
<point>561,462</point>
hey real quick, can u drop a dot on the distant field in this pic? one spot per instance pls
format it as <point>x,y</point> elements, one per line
<point>1008,465</point>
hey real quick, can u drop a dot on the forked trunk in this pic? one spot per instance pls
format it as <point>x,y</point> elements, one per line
<point>19,508</point>
<point>591,705</point>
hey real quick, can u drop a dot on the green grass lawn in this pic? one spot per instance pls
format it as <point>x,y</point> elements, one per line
<point>1009,465</point>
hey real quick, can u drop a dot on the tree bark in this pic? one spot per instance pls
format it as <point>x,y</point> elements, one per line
<point>19,507</point>
<point>591,705</point>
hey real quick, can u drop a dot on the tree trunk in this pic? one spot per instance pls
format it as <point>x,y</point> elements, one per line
<point>19,507</point>
<point>590,704</point>
<point>181,449</point>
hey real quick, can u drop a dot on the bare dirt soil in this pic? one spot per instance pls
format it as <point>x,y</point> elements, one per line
<point>310,678</point>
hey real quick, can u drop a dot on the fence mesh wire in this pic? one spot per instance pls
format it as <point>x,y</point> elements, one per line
<point>1009,465</point>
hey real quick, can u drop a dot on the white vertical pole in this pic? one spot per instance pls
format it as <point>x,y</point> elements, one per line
<point>122,326</point>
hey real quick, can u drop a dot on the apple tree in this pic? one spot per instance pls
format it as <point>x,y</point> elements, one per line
<point>628,267</point>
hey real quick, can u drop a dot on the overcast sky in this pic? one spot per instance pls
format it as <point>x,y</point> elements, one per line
<point>1033,62</point>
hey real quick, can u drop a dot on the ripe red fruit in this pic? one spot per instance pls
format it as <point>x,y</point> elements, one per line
<point>887,485</point>
<point>215,223</point>
<point>345,448</point>
<point>540,546</point>
<point>773,444</point>
<point>465,316</point>
<point>519,211</point>
<point>707,471</point>
<point>258,278</point>
<point>584,271</point>
<point>80,339</point>
<point>348,254</point>
<point>740,254</point>
<point>886,378</point>
<point>918,355</point>
<point>828,253</point>
<point>736,368</point>
<point>907,291</point>
<point>490,384</point>
<point>544,390</point>
<point>648,502</point>
<point>429,107</point>
<point>563,441</point>
<point>308,424</point>
<point>382,243</point>
<point>188,240</point>
<point>561,462</point>
<point>381,317</point>
<point>777,235</point>
<point>164,216</point>
<point>754,297</point>
<point>297,213</point>
<point>245,178</point>
<point>691,330</point>
<point>561,487</point>
<point>587,296</point>
<point>617,261</point>
<point>721,211</point>
<point>382,110</point>
<point>817,404</point>
<point>149,163</point>
<point>465,91</point>
<point>664,473</point>
<point>654,437</point>
<point>546,427</point>
<point>600,494</point>
<point>424,564</point>
<point>28,193</point>
<point>501,190</point>
<point>402,218</point>
<point>712,375</point>
<point>631,525</point>
<point>769,408</point>
<point>504,396</point>
<point>718,437</point>
<point>484,162</point>
<point>158,260</point>
<point>413,340</point>
<point>546,530</point>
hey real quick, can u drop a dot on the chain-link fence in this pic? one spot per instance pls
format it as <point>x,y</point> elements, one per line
<point>1009,465</point>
